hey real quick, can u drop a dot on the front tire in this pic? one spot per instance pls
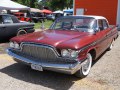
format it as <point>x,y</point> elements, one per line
<point>85,67</point>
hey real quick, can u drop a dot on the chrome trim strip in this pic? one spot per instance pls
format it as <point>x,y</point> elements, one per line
<point>64,68</point>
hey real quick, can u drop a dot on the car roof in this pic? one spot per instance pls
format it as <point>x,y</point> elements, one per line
<point>93,16</point>
<point>85,16</point>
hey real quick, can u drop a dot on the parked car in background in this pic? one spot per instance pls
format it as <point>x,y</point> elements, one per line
<point>37,17</point>
<point>10,26</point>
<point>70,45</point>
<point>54,16</point>
<point>21,16</point>
<point>50,17</point>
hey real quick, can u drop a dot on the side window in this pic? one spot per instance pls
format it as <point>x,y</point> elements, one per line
<point>100,24</point>
<point>7,19</point>
<point>14,19</point>
<point>105,24</point>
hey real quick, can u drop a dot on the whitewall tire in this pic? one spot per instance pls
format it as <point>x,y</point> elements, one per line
<point>85,67</point>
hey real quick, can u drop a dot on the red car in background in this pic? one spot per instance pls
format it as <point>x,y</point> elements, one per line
<point>21,16</point>
<point>70,45</point>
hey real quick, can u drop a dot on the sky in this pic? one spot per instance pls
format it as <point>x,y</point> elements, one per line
<point>39,0</point>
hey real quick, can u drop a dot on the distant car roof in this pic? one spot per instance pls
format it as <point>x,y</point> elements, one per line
<point>85,16</point>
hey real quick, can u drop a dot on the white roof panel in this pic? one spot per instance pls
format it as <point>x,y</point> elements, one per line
<point>93,16</point>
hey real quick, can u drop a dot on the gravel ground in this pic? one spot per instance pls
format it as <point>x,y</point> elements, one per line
<point>104,75</point>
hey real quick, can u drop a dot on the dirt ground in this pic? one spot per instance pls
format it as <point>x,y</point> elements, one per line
<point>104,75</point>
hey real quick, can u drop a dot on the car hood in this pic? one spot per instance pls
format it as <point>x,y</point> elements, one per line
<point>56,38</point>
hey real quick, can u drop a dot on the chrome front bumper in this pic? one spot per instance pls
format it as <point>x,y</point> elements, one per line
<point>63,68</point>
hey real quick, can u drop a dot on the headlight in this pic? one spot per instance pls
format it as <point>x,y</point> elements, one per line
<point>73,53</point>
<point>12,45</point>
<point>16,45</point>
<point>65,53</point>
<point>69,53</point>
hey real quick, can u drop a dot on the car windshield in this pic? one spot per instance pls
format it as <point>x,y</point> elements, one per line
<point>79,24</point>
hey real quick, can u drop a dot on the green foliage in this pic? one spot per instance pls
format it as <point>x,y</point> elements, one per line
<point>52,4</point>
<point>57,4</point>
<point>29,3</point>
<point>47,24</point>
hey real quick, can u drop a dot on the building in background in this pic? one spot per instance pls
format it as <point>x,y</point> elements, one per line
<point>107,8</point>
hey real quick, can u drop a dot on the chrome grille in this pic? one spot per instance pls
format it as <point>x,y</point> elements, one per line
<point>39,52</point>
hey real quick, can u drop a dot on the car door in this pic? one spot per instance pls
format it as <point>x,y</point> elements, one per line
<point>107,32</point>
<point>102,42</point>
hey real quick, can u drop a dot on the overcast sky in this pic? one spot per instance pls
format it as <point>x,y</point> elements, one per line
<point>39,0</point>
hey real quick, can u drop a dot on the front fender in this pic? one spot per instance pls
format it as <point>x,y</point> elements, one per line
<point>83,53</point>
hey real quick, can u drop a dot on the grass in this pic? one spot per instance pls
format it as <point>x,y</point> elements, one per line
<point>47,24</point>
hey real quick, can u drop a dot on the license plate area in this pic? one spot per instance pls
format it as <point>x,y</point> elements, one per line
<point>36,67</point>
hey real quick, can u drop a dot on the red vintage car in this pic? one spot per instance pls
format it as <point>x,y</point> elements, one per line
<point>70,45</point>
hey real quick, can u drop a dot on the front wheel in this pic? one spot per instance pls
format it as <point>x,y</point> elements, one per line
<point>85,67</point>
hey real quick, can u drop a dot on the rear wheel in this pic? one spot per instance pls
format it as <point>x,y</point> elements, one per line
<point>21,32</point>
<point>85,67</point>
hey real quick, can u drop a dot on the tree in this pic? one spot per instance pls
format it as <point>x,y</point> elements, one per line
<point>29,3</point>
<point>57,4</point>
<point>69,4</point>
<point>52,4</point>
